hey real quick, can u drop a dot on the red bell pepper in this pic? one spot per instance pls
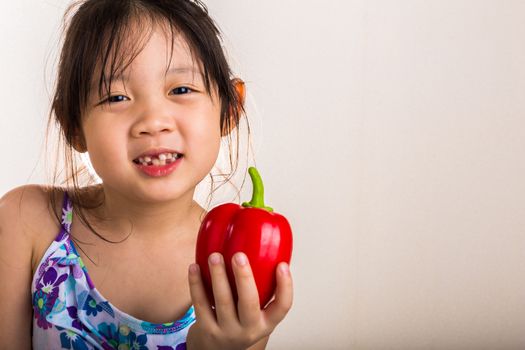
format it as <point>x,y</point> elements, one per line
<point>254,229</point>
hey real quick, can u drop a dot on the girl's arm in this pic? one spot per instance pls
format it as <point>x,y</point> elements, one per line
<point>261,344</point>
<point>16,247</point>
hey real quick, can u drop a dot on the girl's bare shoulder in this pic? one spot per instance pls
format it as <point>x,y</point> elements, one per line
<point>30,206</point>
<point>27,213</point>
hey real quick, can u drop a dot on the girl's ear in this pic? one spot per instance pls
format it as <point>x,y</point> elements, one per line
<point>240,90</point>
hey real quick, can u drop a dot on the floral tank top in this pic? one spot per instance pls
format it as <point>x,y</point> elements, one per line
<point>69,312</point>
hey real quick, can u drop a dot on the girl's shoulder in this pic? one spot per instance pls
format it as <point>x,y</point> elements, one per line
<point>31,213</point>
<point>31,205</point>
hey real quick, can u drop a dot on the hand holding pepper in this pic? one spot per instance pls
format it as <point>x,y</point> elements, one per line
<point>242,257</point>
<point>231,326</point>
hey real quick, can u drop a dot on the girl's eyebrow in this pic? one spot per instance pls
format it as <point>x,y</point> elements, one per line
<point>172,71</point>
<point>124,77</point>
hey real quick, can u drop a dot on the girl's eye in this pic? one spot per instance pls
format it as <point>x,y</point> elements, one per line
<point>113,99</point>
<point>183,90</point>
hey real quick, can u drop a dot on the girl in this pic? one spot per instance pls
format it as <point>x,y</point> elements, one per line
<point>144,88</point>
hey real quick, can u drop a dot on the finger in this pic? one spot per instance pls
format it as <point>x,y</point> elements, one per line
<point>203,311</point>
<point>279,307</point>
<point>248,305</point>
<point>224,305</point>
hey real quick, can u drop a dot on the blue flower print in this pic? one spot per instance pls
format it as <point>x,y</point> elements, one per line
<point>130,338</point>
<point>42,305</point>
<point>71,340</point>
<point>179,347</point>
<point>91,306</point>
<point>110,333</point>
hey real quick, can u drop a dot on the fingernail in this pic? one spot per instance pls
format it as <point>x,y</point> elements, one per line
<point>284,268</point>
<point>194,268</point>
<point>215,258</point>
<point>241,259</point>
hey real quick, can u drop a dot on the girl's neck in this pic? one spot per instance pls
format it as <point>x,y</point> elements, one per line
<point>119,215</point>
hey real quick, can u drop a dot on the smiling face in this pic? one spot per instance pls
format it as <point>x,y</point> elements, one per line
<point>148,109</point>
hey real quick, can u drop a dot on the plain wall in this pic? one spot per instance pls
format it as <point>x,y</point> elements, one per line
<point>390,133</point>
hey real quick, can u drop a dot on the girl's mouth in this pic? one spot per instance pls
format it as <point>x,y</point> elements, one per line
<point>158,160</point>
<point>158,166</point>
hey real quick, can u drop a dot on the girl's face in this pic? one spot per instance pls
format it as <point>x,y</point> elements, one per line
<point>149,110</point>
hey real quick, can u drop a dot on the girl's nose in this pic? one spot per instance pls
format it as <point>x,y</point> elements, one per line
<point>153,122</point>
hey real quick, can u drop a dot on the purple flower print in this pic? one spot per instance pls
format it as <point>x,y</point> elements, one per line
<point>67,216</point>
<point>50,282</point>
<point>73,314</point>
<point>74,262</point>
<point>46,295</point>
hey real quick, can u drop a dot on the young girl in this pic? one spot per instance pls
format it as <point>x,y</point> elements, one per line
<point>143,87</point>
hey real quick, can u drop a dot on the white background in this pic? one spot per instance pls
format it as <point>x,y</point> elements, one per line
<point>391,135</point>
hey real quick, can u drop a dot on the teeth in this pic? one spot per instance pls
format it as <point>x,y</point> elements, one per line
<point>161,159</point>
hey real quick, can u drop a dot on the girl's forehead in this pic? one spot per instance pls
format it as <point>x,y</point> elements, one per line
<point>132,43</point>
<point>157,43</point>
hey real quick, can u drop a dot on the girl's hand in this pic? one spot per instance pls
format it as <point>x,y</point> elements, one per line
<point>230,326</point>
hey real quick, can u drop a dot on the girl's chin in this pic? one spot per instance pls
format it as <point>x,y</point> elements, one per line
<point>155,194</point>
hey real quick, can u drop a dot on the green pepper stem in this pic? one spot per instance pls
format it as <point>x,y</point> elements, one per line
<point>258,191</point>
